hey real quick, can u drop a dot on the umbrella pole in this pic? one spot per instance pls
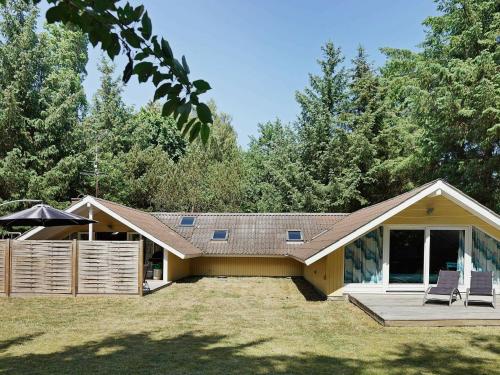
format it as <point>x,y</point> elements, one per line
<point>91,225</point>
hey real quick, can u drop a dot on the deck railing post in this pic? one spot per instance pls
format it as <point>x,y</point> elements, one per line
<point>141,268</point>
<point>74,268</point>
<point>8,267</point>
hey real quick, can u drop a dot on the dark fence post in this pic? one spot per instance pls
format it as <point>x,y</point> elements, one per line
<point>8,268</point>
<point>74,267</point>
<point>141,268</point>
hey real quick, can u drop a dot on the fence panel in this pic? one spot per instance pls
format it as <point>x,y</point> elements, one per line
<point>108,267</point>
<point>41,267</point>
<point>3,250</point>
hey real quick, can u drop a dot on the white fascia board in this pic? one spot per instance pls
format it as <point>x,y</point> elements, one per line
<point>440,188</point>
<point>471,205</point>
<point>372,224</point>
<point>114,215</point>
<point>135,228</point>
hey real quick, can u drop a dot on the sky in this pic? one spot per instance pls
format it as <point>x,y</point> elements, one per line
<point>257,53</point>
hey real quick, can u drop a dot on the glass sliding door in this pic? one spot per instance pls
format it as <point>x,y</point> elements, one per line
<point>446,252</point>
<point>406,256</point>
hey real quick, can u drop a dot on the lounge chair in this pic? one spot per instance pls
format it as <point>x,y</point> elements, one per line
<point>447,285</point>
<point>481,284</point>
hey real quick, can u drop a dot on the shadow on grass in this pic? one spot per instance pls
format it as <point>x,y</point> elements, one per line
<point>189,280</point>
<point>5,345</point>
<point>193,353</point>
<point>307,290</point>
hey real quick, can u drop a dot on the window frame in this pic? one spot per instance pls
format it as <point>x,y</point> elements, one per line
<point>288,239</point>
<point>187,225</point>
<point>226,237</point>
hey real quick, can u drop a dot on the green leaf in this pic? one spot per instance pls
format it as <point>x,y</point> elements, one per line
<point>175,91</point>
<point>193,98</point>
<point>180,72</point>
<point>182,119</point>
<point>204,113</point>
<point>185,65</point>
<point>157,78</point>
<point>156,46</point>
<point>113,47</point>
<point>138,12</point>
<point>201,86</point>
<point>103,5</point>
<point>184,109</point>
<point>205,133</point>
<point>54,14</point>
<point>162,91</point>
<point>140,56</point>
<point>146,26</point>
<point>143,67</point>
<point>127,72</point>
<point>93,38</point>
<point>132,38</point>
<point>194,132</point>
<point>167,51</point>
<point>169,107</point>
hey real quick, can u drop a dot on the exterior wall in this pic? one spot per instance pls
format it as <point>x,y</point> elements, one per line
<point>245,266</point>
<point>444,212</point>
<point>177,268</point>
<point>327,274</point>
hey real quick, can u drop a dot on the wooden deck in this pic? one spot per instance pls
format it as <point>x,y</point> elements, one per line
<point>406,310</point>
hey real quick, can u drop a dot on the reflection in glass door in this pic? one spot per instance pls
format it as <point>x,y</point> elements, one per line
<point>446,252</point>
<point>406,256</point>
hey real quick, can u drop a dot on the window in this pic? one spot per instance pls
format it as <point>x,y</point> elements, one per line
<point>294,235</point>
<point>187,221</point>
<point>220,235</point>
<point>406,260</point>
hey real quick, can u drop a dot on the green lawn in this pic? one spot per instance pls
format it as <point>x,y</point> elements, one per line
<point>220,326</point>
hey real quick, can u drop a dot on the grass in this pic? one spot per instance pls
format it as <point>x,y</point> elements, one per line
<point>234,325</point>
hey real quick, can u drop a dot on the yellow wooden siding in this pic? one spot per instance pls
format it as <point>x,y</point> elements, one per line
<point>177,268</point>
<point>442,211</point>
<point>316,274</point>
<point>245,266</point>
<point>327,274</point>
<point>105,224</point>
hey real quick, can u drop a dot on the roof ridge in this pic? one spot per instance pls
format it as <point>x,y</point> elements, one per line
<point>121,205</point>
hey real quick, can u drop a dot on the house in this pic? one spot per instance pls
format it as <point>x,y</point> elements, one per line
<point>396,245</point>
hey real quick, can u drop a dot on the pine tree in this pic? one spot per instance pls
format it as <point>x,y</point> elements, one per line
<point>453,96</point>
<point>322,104</point>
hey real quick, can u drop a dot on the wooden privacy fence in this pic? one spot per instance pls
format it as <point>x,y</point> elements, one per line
<point>108,267</point>
<point>70,267</point>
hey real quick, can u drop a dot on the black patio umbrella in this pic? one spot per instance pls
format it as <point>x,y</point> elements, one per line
<point>43,215</point>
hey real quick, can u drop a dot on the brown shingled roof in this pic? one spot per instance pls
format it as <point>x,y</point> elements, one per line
<point>351,223</point>
<point>249,234</point>
<point>148,223</point>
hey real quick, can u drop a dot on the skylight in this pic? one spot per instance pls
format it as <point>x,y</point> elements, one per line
<point>294,235</point>
<point>187,221</point>
<point>220,235</point>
